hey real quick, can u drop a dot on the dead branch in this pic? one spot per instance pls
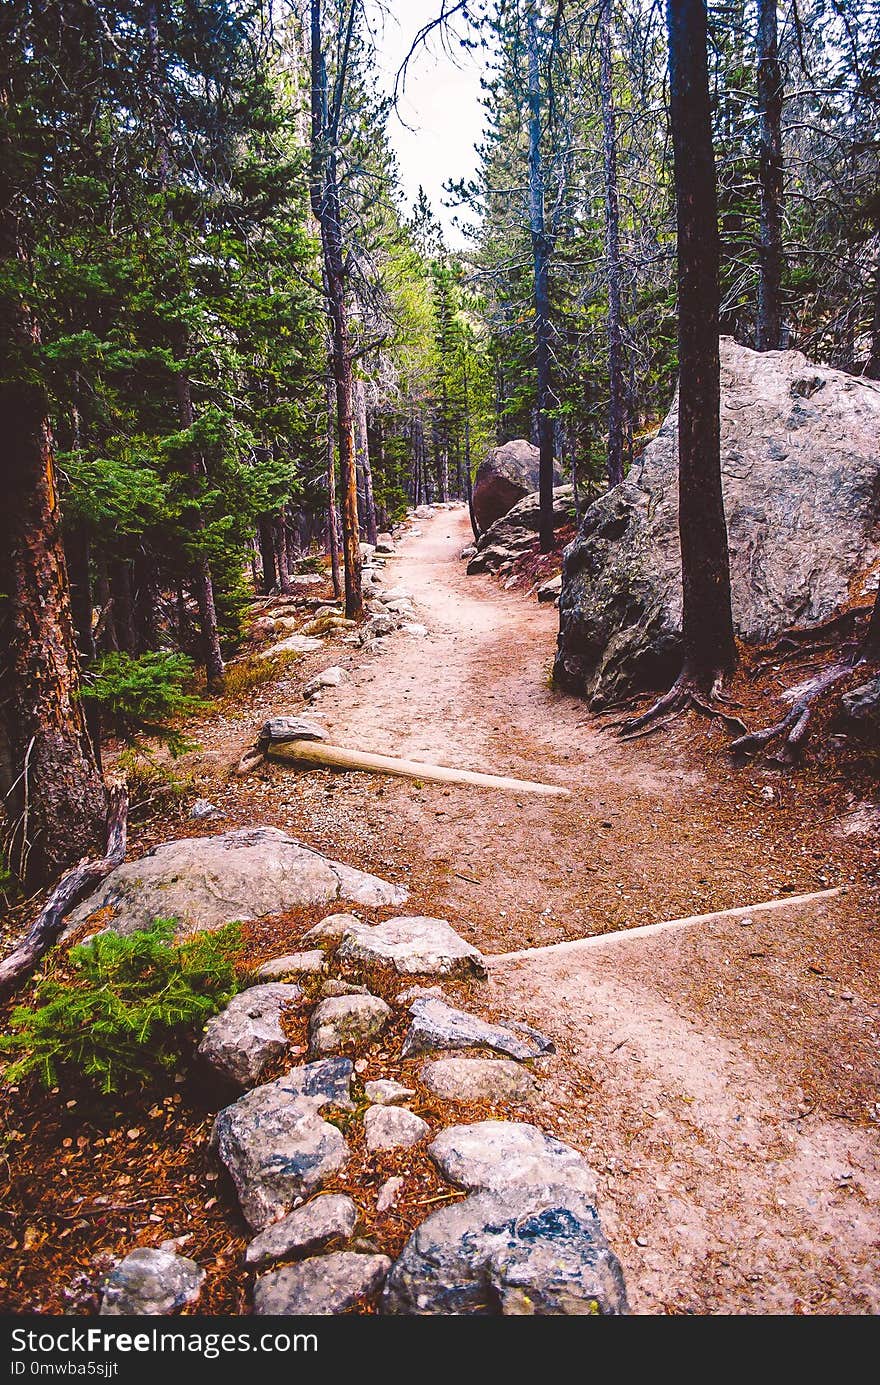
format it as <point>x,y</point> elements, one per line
<point>74,886</point>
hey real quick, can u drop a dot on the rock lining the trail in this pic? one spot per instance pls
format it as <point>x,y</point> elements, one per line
<point>415,946</point>
<point>206,882</point>
<point>479,1079</point>
<point>436,1025</point>
<point>494,1156</point>
<point>516,532</point>
<point>328,1284</point>
<point>393,1127</point>
<point>313,963</point>
<point>242,1040</point>
<point>345,1021</point>
<point>512,1256</point>
<point>327,1218</point>
<point>504,477</point>
<point>150,1283</point>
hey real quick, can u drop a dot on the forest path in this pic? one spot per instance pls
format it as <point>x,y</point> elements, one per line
<point>721,1079</point>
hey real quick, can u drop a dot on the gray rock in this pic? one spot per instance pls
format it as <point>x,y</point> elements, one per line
<point>417,992</point>
<point>506,475</point>
<point>438,1025</point>
<point>511,1256</point>
<point>396,594</point>
<point>393,1127</point>
<point>325,1285</point>
<point>494,1156</point>
<point>516,533</point>
<point>335,987</point>
<point>291,729</point>
<point>294,644</point>
<point>296,964</point>
<point>346,1020</point>
<point>203,808</point>
<point>478,1079</point>
<point>330,1217</point>
<point>205,882</point>
<point>242,1040</point>
<point>275,1144</point>
<point>151,1282</point>
<point>862,705</point>
<point>328,678</point>
<point>800,473</point>
<point>399,606</point>
<point>413,628</point>
<point>331,930</point>
<point>388,1194</point>
<point>413,946</point>
<point>550,590</point>
<point>377,627</point>
<point>386,1092</point>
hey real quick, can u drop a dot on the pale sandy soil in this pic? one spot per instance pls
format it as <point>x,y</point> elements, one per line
<point>723,1081</point>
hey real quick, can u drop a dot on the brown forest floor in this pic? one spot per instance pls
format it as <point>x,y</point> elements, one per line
<point>723,1080</point>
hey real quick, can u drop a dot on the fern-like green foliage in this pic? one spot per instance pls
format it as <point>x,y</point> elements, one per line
<point>143,693</point>
<point>131,1008</point>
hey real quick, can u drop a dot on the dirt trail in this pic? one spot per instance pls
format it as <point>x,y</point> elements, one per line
<point>722,1080</point>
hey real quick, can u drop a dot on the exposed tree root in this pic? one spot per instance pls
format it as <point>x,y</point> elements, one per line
<point>74,886</point>
<point>687,693</point>
<point>793,726</point>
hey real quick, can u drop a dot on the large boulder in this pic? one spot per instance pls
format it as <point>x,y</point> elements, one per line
<point>507,474</point>
<point>243,1039</point>
<point>800,457</point>
<point>412,946</point>
<point>205,882</point>
<point>517,531</point>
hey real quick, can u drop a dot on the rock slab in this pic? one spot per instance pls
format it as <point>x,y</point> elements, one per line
<point>150,1283</point>
<point>393,1127</point>
<point>327,1284</point>
<point>478,1079</point>
<point>437,1025</point>
<point>242,1040</point>
<point>206,882</point>
<point>413,947</point>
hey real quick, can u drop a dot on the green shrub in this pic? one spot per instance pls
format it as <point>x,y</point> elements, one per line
<point>143,694</point>
<point>131,1008</point>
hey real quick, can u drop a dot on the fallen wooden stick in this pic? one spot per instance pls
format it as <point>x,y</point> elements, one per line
<point>649,929</point>
<point>74,886</point>
<point>315,755</point>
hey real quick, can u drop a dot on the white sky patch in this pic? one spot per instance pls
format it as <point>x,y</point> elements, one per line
<point>441,103</point>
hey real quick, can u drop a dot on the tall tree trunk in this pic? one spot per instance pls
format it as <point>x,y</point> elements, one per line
<point>363,450</point>
<point>123,606</point>
<point>769,81</point>
<point>76,549</point>
<point>541,290</point>
<point>332,516</point>
<point>614,270</point>
<point>202,581</point>
<point>709,648</point>
<point>54,798</point>
<point>279,532</point>
<point>266,539</point>
<point>468,480</point>
<point>145,593</point>
<point>326,209</point>
<point>872,369</point>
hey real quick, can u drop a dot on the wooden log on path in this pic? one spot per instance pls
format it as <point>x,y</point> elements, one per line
<point>316,755</point>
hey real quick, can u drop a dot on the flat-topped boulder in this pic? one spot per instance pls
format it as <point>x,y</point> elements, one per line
<point>412,946</point>
<point>436,1025</point>
<point>312,963</point>
<point>393,1127</point>
<point>494,1156</point>
<point>516,1255</point>
<point>206,882</point>
<point>243,1039</point>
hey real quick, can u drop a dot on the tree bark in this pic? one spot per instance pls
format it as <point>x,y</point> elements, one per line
<point>123,606</point>
<point>202,581</point>
<point>613,267</point>
<point>770,180</point>
<point>325,206</point>
<point>332,517</point>
<point>54,798</point>
<point>145,593</point>
<point>266,541</point>
<point>279,531</point>
<point>363,449</point>
<point>76,549</point>
<point>79,882</point>
<point>541,274</point>
<point>709,648</point>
